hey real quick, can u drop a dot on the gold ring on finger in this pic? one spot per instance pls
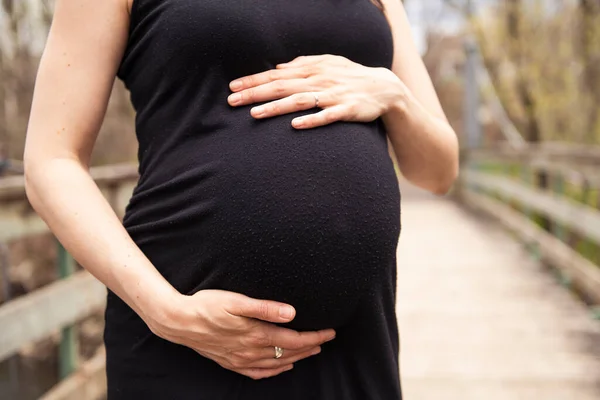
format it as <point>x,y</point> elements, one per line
<point>278,352</point>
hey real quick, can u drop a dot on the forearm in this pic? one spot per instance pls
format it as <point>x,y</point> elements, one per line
<point>68,200</point>
<point>425,145</point>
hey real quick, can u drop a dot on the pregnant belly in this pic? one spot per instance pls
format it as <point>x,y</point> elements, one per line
<point>307,218</point>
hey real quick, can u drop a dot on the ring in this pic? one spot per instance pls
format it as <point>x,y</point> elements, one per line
<point>316,99</point>
<point>278,352</point>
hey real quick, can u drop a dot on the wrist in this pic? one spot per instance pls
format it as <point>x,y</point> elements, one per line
<point>399,98</point>
<point>160,306</point>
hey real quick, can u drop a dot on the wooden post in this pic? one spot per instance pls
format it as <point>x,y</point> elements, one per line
<point>526,178</point>
<point>542,182</point>
<point>69,343</point>
<point>558,230</point>
<point>13,367</point>
<point>559,188</point>
<point>583,244</point>
<point>471,98</point>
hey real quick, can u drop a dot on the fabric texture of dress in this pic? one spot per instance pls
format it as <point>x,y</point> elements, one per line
<point>224,201</point>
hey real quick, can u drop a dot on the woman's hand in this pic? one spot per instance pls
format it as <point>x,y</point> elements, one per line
<point>238,332</point>
<point>346,91</point>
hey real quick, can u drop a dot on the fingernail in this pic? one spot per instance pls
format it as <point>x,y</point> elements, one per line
<point>258,111</point>
<point>286,312</point>
<point>235,98</point>
<point>316,351</point>
<point>290,367</point>
<point>332,336</point>
<point>235,85</point>
<point>298,122</point>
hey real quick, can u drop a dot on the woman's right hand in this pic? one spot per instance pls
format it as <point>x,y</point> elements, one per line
<point>238,332</point>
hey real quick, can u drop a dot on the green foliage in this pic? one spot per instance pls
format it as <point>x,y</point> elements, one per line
<point>546,66</point>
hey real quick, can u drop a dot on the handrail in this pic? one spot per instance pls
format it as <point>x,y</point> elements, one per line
<point>584,275</point>
<point>575,154</point>
<point>12,166</point>
<point>62,303</point>
<point>38,314</point>
<point>18,219</point>
<point>13,187</point>
<point>88,382</point>
<point>496,193</point>
<point>580,218</point>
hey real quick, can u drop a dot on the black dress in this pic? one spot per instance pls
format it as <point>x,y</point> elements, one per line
<point>224,201</point>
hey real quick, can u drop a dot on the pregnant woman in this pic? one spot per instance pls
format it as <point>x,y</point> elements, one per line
<point>256,259</point>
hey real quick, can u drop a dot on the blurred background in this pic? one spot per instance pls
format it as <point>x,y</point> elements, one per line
<point>520,83</point>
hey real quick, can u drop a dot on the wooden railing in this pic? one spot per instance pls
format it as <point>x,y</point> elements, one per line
<point>61,304</point>
<point>549,196</point>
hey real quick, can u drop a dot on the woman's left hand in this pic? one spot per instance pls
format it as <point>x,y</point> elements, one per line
<point>345,90</point>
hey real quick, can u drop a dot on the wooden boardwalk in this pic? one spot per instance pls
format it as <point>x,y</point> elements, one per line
<point>480,319</point>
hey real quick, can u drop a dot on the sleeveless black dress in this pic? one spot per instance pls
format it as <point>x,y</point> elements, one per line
<point>224,201</point>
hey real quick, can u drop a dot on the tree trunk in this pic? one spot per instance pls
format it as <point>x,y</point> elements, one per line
<point>590,39</point>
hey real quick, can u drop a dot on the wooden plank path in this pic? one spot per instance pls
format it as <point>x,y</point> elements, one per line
<point>480,318</point>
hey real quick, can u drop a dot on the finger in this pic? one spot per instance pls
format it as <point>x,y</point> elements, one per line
<point>295,102</point>
<point>290,339</point>
<point>270,91</point>
<point>271,75</point>
<point>303,60</point>
<point>286,359</point>
<point>267,353</point>
<point>261,373</point>
<point>324,117</point>
<point>266,310</point>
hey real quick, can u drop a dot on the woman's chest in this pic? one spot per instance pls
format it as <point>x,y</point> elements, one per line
<point>249,34</point>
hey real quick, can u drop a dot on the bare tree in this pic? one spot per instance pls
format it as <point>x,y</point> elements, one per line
<point>590,38</point>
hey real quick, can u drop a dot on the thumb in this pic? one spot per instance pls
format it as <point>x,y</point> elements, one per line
<point>266,310</point>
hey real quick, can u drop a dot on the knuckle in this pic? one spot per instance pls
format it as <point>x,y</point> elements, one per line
<point>245,357</point>
<point>263,309</point>
<point>249,95</point>
<point>318,340</point>
<point>236,363</point>
<point>279,87</point>
<point>309,70</point>
<point>326,81</point>
<point>241,325</point>
<point>353,110</point>
<point>331,116</point>
<point>227,364</point>
<point>350,110</point>
<point>272,75</point>
<point>340,59</point>
<point>275,109</point>
<point>254,374</point>
<point>301,101</point>
<point>297,344</point>
<point>259,339</point>
<point>263,341</point>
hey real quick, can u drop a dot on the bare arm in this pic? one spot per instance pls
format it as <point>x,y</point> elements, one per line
<point>74,81</point>
<point>425,145</point>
